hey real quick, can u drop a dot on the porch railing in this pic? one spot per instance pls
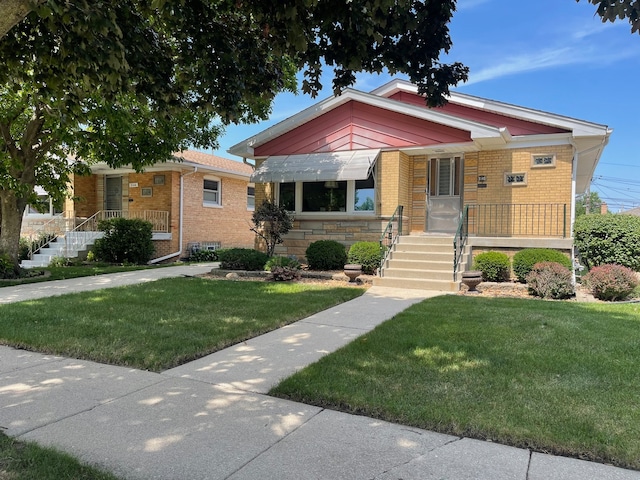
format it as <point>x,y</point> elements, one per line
<point>159,219</point>
<point>390,235</point>
<point>460,241</point>
<point>518,220</point>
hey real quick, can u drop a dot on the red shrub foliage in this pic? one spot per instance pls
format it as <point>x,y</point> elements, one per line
<point>610,282</point>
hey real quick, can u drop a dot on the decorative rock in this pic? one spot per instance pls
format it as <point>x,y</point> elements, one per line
<point>232,276</point>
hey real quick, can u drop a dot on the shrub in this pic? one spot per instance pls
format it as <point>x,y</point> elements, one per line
<point>284,274</point>
<point>125,241</point>
<point>271,222</point>
<point>326,255</point>
<point>203,256</point>
<point>608,239</point>
<point>281,262</point>
<point>23,249</point>
<point>495,266</point>
<point>550,280</point>
<point>242,259</point>
<point>610,282</point>
<point>367,254</point>
<point>524,260</point>
<point>6,267</point>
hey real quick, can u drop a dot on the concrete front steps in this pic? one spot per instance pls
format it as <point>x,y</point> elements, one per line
<point>421,262</point>
<point>70,245</point>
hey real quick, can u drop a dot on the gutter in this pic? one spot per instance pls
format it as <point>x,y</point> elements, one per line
<point>179,252</point>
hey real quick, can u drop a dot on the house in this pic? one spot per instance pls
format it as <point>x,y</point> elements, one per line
<point>195,201</point>
<point>449,182</point>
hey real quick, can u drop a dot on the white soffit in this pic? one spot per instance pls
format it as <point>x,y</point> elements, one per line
<point>317,167</point>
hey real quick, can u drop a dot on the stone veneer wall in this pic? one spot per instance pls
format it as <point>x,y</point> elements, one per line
<point>347,232</point>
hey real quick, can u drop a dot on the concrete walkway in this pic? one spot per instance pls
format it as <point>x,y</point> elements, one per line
<point>210,419</point>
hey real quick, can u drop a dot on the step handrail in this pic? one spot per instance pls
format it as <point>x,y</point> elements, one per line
<point>45,235</point>
<point>89,229</point>
<point>460,241</point>
<point>389,237</point>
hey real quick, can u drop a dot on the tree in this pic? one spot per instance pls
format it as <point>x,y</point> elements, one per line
<point>592,201</point>
<point>129,82</point>
<point>271,222</point>
<point>610,10</point>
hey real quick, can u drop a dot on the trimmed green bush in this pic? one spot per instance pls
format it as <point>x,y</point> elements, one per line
<point>326,255</point>
<point>242,259</point>
<point>610,282</point>
<point>281,262</point>
<point>203,256</point>
<point>367,254</point>
<point>495,266</point>
<point>608,239</point>
<point>6,267</point>
<point>550,280</point>
<point>125,241</point>
<point>524,260</point>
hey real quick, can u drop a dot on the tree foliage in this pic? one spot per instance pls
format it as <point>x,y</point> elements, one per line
<point>130,82</point>
<point>611,10</point>
<point>588,203</point>
<point>270,223</point>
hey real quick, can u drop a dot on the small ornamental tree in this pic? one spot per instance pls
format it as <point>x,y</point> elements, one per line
<point>271,222</point>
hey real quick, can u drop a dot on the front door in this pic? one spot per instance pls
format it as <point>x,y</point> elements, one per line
<point>113,193</point>
<point>443,195</point>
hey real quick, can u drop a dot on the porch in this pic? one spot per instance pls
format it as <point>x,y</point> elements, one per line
<point>435,260</point>
<point>67,235</point>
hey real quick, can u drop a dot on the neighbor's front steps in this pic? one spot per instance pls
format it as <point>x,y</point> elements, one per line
<point>69,245</point>
<point>421,262</point>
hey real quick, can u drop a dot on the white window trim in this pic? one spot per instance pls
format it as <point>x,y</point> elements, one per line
<point>351,195</point>
<point>515,184</point>
<point>209,204</point>
<point>252,185</point>
<point>543,155</point>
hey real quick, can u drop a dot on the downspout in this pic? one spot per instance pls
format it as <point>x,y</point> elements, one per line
<point>179,252</point>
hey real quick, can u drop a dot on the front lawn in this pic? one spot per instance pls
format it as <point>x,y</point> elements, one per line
<point>162,324</point>
<point>557,377</point>
<point>27,461</point>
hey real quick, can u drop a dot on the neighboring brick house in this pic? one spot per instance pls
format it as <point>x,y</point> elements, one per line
<point>197,199</point>
<point>504,174</point>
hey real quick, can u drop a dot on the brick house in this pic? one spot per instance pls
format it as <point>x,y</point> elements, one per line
<point>199,200</point>
<point>473,175</point>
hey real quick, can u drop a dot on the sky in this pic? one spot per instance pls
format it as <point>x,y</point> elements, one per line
<point>550,55</point>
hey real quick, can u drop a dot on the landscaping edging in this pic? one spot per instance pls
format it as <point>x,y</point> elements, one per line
<point>305,274</point>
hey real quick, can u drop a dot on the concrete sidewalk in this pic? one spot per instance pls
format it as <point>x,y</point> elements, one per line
<point>210,419</point>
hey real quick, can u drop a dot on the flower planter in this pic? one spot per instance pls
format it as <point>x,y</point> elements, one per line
<point>472,279</point>
<point>352,271</point>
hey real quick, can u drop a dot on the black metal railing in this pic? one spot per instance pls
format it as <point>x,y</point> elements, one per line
<point>518,220</point>
<point>460,241</point>
<point>389,235</point>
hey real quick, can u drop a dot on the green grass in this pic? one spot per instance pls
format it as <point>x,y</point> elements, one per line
<point>76,271</point>
<point>162,324</point>
<point>557,377</point>
<point>27,461</point>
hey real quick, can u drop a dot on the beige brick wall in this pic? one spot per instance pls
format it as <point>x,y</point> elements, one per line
<point>229,224</point>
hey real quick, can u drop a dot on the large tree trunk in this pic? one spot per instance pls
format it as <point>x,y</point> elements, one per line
<point>13,12</point>
<point>11,211</point>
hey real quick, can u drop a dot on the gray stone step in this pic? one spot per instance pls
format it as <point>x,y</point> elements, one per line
<point>417,284</point>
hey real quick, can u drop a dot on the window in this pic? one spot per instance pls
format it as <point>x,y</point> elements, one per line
<point>146,192</point>
<point>44,206</point>
<point>288,196</point>
<point>211,193</point>
<point>251,197</point>
<point>330,196</point>
<point>364,195</point>
<point>353,196</point>
<point>158,179</point>
<point>511,179</point>
<point>543,160</point>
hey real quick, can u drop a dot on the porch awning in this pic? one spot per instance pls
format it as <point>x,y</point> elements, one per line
<point>317,167</point>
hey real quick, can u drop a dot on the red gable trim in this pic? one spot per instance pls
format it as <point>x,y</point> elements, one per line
<point>354,126</point>
<point>516,126</point>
